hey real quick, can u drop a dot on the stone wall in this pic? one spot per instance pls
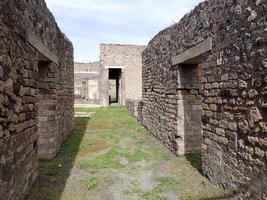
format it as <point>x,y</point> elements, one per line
<point>86,86</point>
<point>128,59</point>
<point>86,67</point>
<point>29,36</point>
<point>134,107</point>
<point>232,91</point>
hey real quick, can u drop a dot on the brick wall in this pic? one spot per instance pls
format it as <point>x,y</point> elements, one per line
<point>23,93</point>
<point>134,107</point>
<point>232,92</point>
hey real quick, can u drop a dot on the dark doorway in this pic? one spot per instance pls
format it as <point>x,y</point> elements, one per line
<point>114,78</point>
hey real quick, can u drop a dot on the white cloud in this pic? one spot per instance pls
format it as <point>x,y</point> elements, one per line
<point>101,6</point>
<point>91,22</point>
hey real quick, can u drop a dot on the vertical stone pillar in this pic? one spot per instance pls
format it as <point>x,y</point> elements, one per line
<point>122,87</point>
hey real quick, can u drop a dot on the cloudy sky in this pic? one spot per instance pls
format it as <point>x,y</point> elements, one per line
<point>91,22</point>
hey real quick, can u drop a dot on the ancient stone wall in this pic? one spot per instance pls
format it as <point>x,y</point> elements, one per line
<point>86,86</point>
<point>128,59</point>
<point>232,89</point>
<point>29,36</point>
<point>134,107</point>
<point>86,67</point>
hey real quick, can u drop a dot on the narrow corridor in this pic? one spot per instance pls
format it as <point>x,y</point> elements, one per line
<point>110,156</point>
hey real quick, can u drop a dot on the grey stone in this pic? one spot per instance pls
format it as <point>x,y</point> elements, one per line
<point>29,65</point>
<point>194,52</point>
<point>232,75</point>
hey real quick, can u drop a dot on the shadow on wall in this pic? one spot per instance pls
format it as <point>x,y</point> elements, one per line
<point>196,161</point>
<point>54,174</point>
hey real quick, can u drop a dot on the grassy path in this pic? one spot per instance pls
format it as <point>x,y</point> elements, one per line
<point>111,157</point>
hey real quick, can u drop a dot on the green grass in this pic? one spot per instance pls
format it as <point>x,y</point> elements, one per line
<point>90,182</point>
<point>164,182</point>
<point>102,162</point>
<point>69,150</point>
<point>114,125</point>
<point>110,160</point>
<point>106,148</point>
<point>86,109</point>
<point>138,155</point>
<point>195,160</point>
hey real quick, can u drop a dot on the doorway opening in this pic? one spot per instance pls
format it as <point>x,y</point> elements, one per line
<point>189,108</point>
<point>47,136</point>
<point>114,79</point>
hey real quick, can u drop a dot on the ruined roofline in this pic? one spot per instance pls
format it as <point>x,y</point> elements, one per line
<point>88,67</point>
<point>126,45</point>
<point>87,63</point>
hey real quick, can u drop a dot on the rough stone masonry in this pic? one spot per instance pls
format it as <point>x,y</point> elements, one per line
<point>36,92</point>
<point>204,88</point>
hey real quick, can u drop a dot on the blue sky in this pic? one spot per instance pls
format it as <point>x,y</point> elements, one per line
<point>90,22</point>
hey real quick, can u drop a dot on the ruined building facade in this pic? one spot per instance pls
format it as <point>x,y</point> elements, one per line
<point>204,88</point>
<point>120,65</point>
<point>118,75</point>
<point>86,83</point>
<point>36,92</point>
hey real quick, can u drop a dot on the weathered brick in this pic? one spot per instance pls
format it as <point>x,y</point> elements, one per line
<point>20,95</point>
<point>232,75</point>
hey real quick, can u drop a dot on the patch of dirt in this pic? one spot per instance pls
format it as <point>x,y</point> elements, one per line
<point>99,126</point>
<point>171,194</point>
<point>123,160</point>
<point>91,146</point>
<point>164,170</point>
<point>126,143</point>
<point>126,182</point>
